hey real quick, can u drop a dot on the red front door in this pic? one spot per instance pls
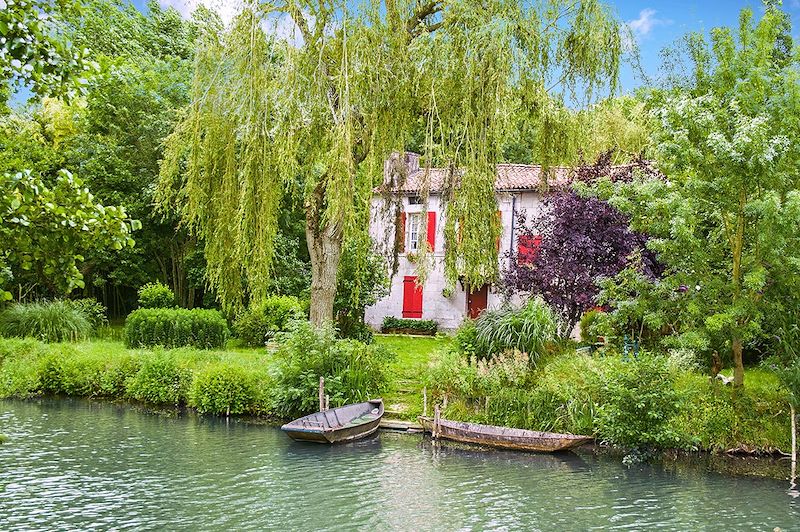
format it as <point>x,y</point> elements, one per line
<point>477,301</point>
<point>412,298</point>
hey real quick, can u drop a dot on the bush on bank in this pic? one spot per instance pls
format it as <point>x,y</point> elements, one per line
<point>654,401</point>
<point>213,382</point>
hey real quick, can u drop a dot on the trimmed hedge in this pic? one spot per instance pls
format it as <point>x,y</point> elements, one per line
<point>392,324</point>
<point>175,327</point>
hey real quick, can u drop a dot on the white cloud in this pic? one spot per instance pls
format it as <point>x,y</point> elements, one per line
<point>647,20</point>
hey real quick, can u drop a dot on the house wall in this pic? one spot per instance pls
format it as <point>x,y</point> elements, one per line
<point>448,312</point>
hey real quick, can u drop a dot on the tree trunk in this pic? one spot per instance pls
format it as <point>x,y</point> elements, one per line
<point>325,249</point>
<point>324,240</point>
<point>738,366</point>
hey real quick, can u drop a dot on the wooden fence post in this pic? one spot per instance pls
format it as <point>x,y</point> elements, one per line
<point>321,394</point>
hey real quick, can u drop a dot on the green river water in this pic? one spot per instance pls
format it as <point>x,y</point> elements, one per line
<point>83,465</point>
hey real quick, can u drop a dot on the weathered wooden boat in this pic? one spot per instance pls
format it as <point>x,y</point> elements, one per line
<point>345,423</point>
<point>502,437</point>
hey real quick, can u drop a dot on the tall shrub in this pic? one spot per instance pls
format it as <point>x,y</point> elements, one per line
<point>156,295</point>
<point>353,371</point>
<point>638,403</point>
<point>257,325</point>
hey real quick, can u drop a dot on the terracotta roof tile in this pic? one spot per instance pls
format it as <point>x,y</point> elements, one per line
<point>510,177</point>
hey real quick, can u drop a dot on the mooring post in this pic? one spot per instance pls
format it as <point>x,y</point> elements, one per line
<point>327,402</point>
<point>425,401</point>
<point>435,432</point>
<point>794,443</point>
<point>321,394</point>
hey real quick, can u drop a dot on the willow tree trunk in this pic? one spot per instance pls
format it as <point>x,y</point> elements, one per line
<point>324,240</point>
<point>325,249</point>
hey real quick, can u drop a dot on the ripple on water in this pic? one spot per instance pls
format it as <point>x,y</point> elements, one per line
<point>77,465</point>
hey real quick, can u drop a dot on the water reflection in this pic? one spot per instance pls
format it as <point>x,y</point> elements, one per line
<point>81,465</point>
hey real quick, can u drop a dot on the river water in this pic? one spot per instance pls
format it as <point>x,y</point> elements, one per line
<point>83,465</point>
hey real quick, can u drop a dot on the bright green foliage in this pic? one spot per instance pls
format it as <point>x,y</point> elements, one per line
<point>531,328</point>
<point>175,327</point>
<point>362,281</point>
<point>652,401</point>
<point>331,109</point>
<point>725,222</point>
<point>161,379</point>
<point>71,371</point>
<point>208,381</point>
<point>465,340</point>
<point>224,389</point>
<point>353,371</point>
<point>46,228</point>
<point>48,321</point>
<point>638,402</point>
<point>94,311</point>
<point>588,325</point>
<point>392,324</point>
<point>156,295</point>
<point>259,324</point>
<point>35,53</point>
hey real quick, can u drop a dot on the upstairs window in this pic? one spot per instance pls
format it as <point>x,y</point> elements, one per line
<point>414,222</point>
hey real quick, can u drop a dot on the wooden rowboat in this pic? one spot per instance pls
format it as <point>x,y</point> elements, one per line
<point>502,437</point>
<point>346,423</point>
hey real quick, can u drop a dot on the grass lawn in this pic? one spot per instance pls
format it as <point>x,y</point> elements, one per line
<point>403,400</point>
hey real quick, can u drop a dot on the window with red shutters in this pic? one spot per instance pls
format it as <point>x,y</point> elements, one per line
<point>412,297</point>
<point>528,248</point>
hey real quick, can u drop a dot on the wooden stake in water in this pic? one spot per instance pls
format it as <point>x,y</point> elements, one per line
<point>436,415</point>
<point>327,401</point>
<point>794,443</point>
<point>321,394</point>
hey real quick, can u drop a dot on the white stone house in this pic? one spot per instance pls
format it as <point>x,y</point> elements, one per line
<point>517,189</point>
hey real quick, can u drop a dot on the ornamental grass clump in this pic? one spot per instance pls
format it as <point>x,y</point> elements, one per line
<point>48,321</point>
<point>532,329</point>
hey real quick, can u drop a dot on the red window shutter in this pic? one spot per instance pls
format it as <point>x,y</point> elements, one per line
<point>432,230</point>
<point>528,248</point>
<point>401,229</point>
<point>412,297</point>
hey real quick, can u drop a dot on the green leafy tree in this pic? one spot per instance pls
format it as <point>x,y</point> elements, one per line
<point>725,221</point>
<point>34,51</point>
<point>329,106</point>
<point>47,229</point>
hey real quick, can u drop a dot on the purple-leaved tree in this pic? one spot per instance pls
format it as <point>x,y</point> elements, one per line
<point>563,251</point>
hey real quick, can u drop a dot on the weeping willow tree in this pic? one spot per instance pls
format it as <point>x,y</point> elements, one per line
<point>319,114</point>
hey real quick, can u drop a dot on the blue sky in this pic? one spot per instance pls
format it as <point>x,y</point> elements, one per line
<point>655,23</point>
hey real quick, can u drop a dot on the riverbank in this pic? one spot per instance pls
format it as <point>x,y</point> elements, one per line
<point>566,393</point>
